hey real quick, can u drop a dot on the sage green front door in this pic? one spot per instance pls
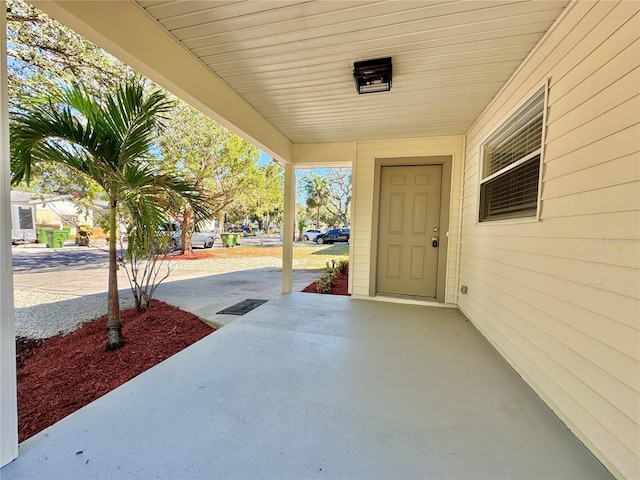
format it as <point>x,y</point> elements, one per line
<point>408,237</point>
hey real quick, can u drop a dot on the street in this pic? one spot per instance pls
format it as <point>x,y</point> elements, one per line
<point>32,257</point>
<point>36,257</point>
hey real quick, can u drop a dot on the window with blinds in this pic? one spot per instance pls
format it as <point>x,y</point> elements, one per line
<point>511,165</point>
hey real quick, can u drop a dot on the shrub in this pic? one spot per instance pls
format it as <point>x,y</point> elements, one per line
<point>333,269</point>
<point>146,263</point>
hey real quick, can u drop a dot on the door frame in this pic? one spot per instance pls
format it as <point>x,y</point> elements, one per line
<point>446,161</point>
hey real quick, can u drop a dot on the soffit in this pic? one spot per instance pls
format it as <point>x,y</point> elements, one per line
<point>292,60</point>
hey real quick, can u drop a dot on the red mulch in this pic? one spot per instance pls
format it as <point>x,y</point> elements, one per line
<point>340,286</point>
<point>190,256</point>
<point>236,252</point>
<point>59,375</point>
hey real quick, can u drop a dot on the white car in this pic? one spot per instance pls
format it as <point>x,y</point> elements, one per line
<point>198,239</point>
<point>203,239</point>
<point>310,234</point>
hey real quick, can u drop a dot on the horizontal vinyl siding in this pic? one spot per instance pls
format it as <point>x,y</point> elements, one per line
<point>609,174</point>
<point>359,264</point>
<point>560,297</point>
<point>593,152</point>
<point>364,202</point>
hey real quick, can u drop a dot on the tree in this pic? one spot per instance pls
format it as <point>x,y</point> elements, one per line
<point>263,197</point>
<point>214,158</point>
<point>339,201</point>
<point>269,197</point>
<point>301,220</point>
<point>108,139</point>
<point>317,190</point>
<point>38,49</point>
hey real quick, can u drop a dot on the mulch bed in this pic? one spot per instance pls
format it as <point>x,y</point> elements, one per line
<point>189,256</point>
<point>59,375</point>
<point>340,286</point>
<point>244,252</point>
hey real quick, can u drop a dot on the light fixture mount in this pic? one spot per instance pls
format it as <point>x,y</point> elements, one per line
<point>372,76</point>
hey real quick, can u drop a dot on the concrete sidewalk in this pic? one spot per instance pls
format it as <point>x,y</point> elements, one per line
<point>207,294</point>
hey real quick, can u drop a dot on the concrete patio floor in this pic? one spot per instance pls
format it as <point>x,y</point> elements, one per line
<point>314,386</point>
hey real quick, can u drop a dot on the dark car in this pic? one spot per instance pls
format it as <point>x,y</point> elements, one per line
<point>241,229</point>
<point>334,235</point>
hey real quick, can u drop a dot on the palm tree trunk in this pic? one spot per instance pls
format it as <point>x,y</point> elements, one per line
<point>115,339</point>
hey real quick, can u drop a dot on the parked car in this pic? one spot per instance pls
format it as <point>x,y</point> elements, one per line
<point>240,229</point>
<point>334,235</point>
<point>198,239</point>
<point>203,239</point>
<point>310,234</point>
<point>174,230</point>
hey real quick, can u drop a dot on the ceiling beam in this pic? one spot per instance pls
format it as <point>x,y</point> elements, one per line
<point>324,155</point>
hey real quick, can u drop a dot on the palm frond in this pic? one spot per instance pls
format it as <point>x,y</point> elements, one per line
<point>167,188</point>
<point>47,135</point>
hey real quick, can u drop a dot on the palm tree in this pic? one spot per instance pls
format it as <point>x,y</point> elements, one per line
<point>317,190</point>
<point>108,139</point>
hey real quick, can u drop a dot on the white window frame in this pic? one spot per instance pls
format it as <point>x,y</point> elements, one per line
<point>501,130</point>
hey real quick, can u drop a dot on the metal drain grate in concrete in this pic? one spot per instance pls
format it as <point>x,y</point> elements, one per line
<point>242,307</point>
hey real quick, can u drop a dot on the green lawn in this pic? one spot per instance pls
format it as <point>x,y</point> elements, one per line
<point>313,257</point>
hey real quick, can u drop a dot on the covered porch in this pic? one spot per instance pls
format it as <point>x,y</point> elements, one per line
<point>359,388</point>
<point>319,386</point>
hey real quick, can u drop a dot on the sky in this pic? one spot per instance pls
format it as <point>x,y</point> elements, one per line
<point>264,158</point>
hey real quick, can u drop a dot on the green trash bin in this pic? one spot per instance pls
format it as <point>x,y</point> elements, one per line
<point>67,232</point>
<point>229,239</point>
<point>58,237</point>
<point>49,233</point>
<point>41,235</point>
<point>226,240</point>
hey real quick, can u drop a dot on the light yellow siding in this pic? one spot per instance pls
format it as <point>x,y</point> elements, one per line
<point>560,297</point>
<point>338,154</point>
<point>363,202</point>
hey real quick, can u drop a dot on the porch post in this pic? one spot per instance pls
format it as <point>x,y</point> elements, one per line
<point>8,394</point>
<point>288,227</point>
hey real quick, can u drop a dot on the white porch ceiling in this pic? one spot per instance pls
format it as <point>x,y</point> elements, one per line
<point>292,60</point>
<point>279,72</point>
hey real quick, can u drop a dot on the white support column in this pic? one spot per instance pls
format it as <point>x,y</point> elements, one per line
<point>289,227</point>
<point>8,394</point>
